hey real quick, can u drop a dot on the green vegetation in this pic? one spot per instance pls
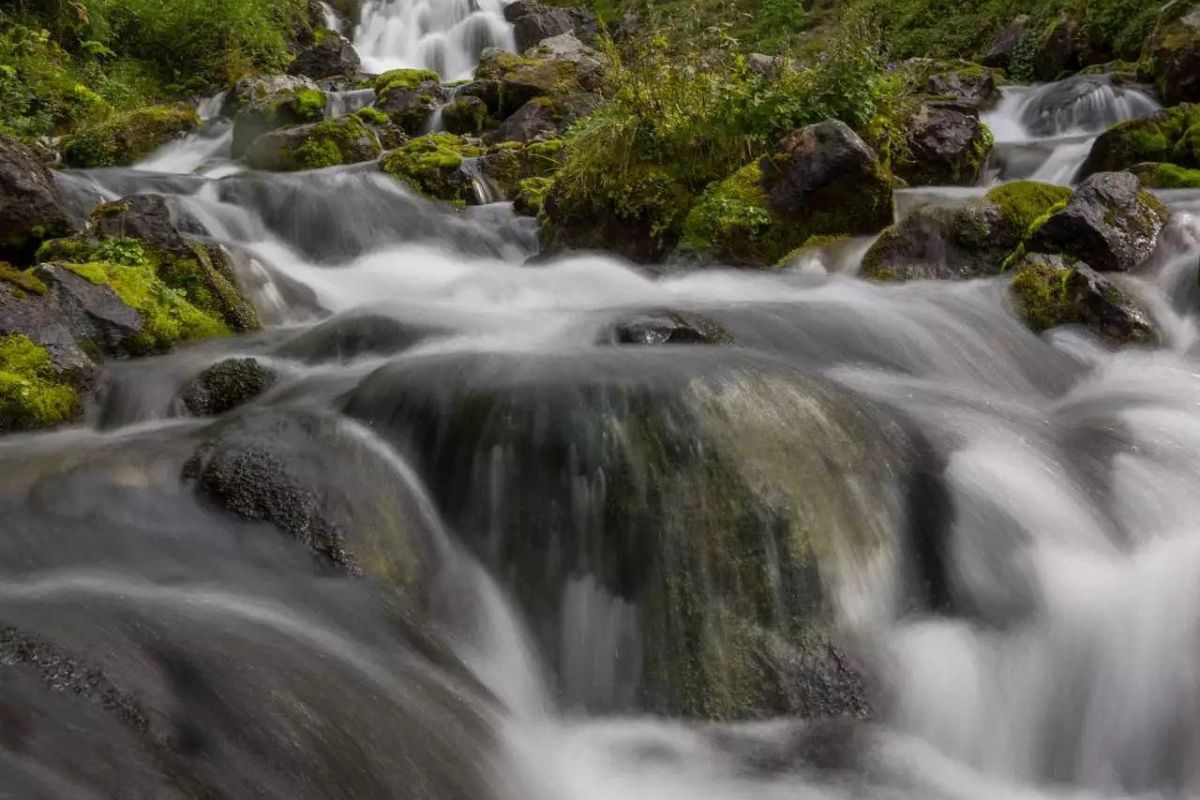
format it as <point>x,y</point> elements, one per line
<point>403,79</point>
<point>345,140</point>
<point>1167,176</point>
<point>128,137</point>
<point>24,281</point>
<point>32,393</point>
<point>430,165</point>
<point>1171,135</point>
<point>1025,203</point>
<point>1045,295</point>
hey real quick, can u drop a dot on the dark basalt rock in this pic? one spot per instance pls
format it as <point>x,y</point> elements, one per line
<point>1111,224</point>
<point>1051,291</point>
<point>227,385</point>
<point>32,209</point>
<point>949,146</point>
<point>411,108</point>
<point>148,217</point>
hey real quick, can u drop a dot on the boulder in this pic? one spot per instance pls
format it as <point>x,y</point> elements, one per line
<point>465,116</point>
<point>433,165</point>
<point>948,146</point>
<point>334,142</point>
<point>533,22</point>
<point>32,210</point>
<point>1082,102</point>
<point>226,385</point>
<point>34,392</point>
<point>148,217</point>
<point>668,327</point>
<point>1168,136</point>
<point>258,88</point>
<point>1005,44</point>
<point>964,83</point>
<point>279,110</point>
<point>1171,56</point>
<point>125,138</point>
<point>820,180</point>
<point>1060,48</point>
<point>1051,290</point>
<point>330,55</point>
<point>558,66</point>
<point>409,97</point>
<point>961,240</point>
<point>1111,223</point>
<point>544,117</point>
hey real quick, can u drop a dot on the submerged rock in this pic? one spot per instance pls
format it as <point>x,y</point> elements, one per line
<point>1051,291</point>
<point>696,500</point>
<point>1110,223</point>
<point>226,385</point>
<point>948,146</point>
<point>670,327</point>
<point>33,208</point>
<point>1171,56</point>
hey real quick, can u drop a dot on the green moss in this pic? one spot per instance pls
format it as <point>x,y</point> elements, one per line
<point>733,222</point>
<point>167,316</point>
<point>329,144</point>
<point>32,394</point>
<point>430,163</point>
<point>309,103</point>
<point>372,116</point>
<point>1045,296</point>
<point>1023,203</point>
<point>1171,135</point>
<point>1167,176</point>
<point>24,281</point>
<point>125,138</point>
<point>466,115</point>
<point>404,79</point>
<point>531,195</point>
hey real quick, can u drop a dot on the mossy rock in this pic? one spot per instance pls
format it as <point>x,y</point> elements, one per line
<point>335,142</point>
<point>465,115</point>
<point>1171,56</point>
<point>1166,136</point>
<point>1051,291</point>
<point>521,79</point>
<point>226,385</point>
<point>280,110</point>
<point>734,223</point>
<point>22,281</point>
<point>510,164</point>
<point>409,97</point>
<point>403,79</point>
<point>33,393</point>
<point>948,145</point>
<point>128,137</point>
<point>431,165</point>
<point>531,195</point>
<point>1167,176</point>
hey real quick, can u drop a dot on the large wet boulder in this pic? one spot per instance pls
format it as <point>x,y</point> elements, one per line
<point>1171,135</point>
<point>334,142</point>
<point>330,55</point>
<point>280,110</point>
<point>676,522</point>
<point>558,67</point>
<point>1111,223</point>
<point>820,180</point>
<point>128,137</point>
<point>1006,43</point>
<point>954,241</point>
<point>409,97</point>
<point>1051,291</point>
<point>533,22</point>
<point>33,208</point>
<point>226,385</point>
<point>434,166</point>
<point>948,146</point>
<point>1171,56</point>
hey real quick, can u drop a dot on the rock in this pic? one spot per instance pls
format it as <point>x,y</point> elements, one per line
<point>567,47</point>
<point>1171,56</point>
<point>1166,176</point>
<point>948,145</point>
<point>465,116</point>
<point>1051,290</point>
<point>279,110</point>
<point>544,117</point>
<point>967,84</point>
<point>1004,46</point>
<point>533,22</point>
<point>34,392</point>
<point>148,217</point>
<point>32,210</point>
<point>353,335</point>
<point>963,240</point>
<point>409,97</point>
<point>1111,224</point>
<point>334,142</point>
<point>94,313</point>
<point>1060,48</point>
<point>331,54</point>
<point>1169,136</point>
<point>125,138</point>
<point>558,66</point>
<point>432,165</point>
<point>248,91</point>
<point>1081,102</point>
<point>766,66</point>
<point>508,167</point>
<point>226,385</point>
<point>669,327</point>
<point>305,474</point>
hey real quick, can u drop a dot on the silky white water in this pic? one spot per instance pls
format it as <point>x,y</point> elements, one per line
<point>446,36</point>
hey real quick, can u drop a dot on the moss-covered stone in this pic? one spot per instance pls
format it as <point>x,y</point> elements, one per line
<point>395,79</point>
<point>733,223</point>
<point>290,107</point>
<point>521,79</point>
<point>125,138</point>
<point>1166,136</point>
<point>1023,203</point>
<point>23,280</point>
<point>372,116</point>
<point>465,115</point>
<point>1051,291</point>
<point>32,393</point>
<point>1171,55</point>
<point>1167,176</point>
<point>430,164</point>
<point>531,195</point>
<point>345,140</point>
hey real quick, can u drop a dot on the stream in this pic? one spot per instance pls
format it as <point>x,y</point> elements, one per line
<point>1005,524</point>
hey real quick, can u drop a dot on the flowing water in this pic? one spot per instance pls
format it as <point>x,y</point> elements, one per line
<point>1007,524</point>
<point>443,35</point>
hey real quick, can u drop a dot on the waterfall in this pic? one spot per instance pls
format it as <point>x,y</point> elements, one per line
<point>443,35</point>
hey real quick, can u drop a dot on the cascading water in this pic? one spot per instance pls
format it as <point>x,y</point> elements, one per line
<point>446,36</point>
<point>1003,528</point>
